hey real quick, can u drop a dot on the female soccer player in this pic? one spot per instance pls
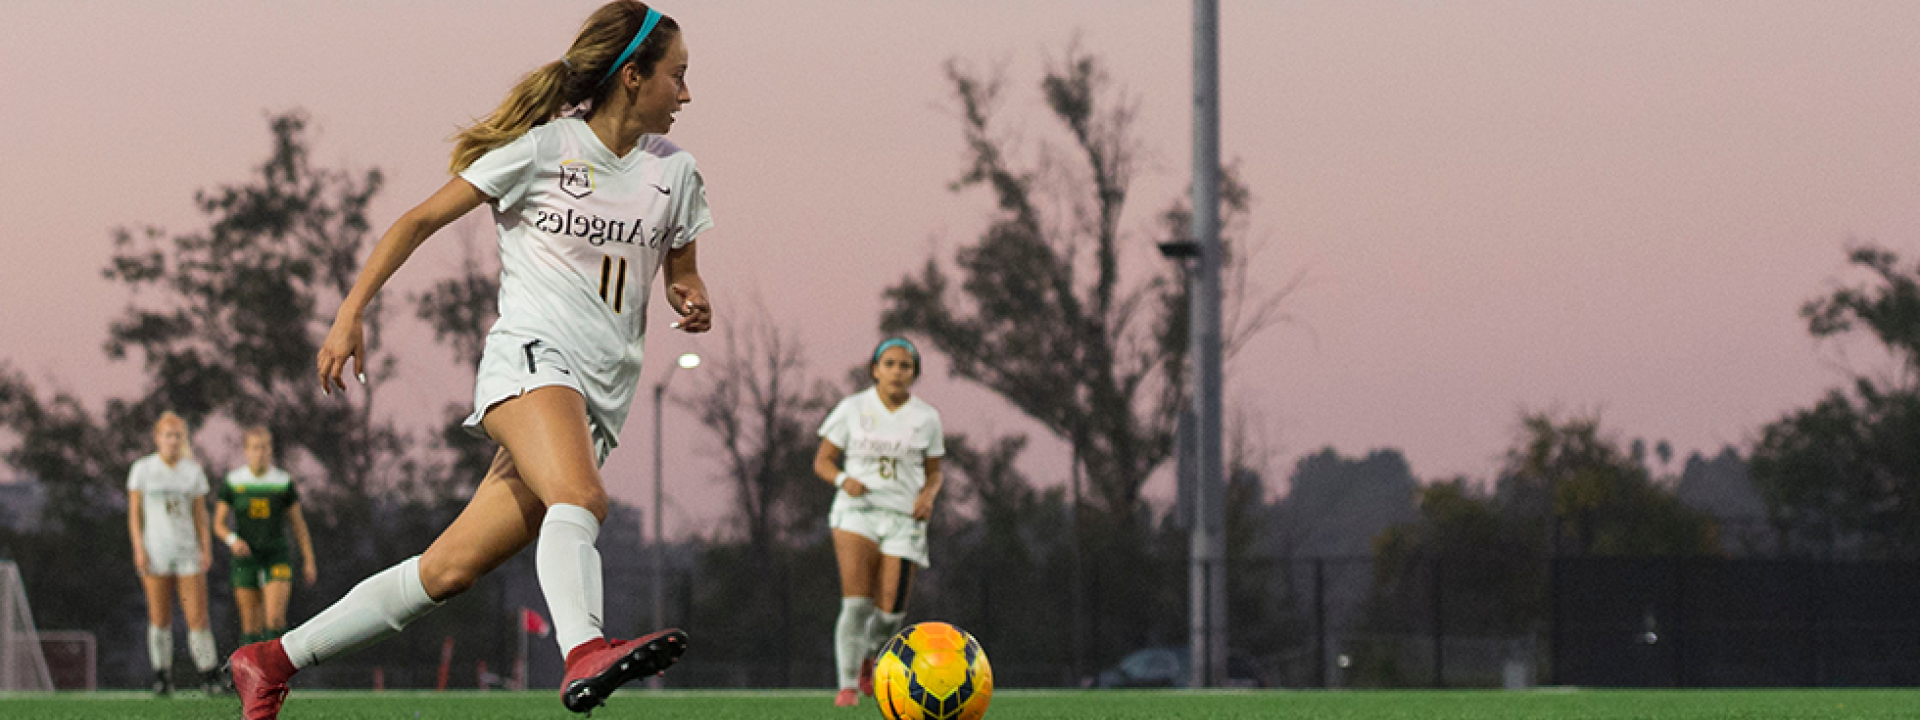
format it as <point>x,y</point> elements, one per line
<point>167,518</point>
<point>588,200</point>
<point>264,505</point>
<point>892,443</point>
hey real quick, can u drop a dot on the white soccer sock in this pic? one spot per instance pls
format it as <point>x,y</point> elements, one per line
<point>373,610</point>
<point>160,648</point>
<point>200,644</point>
<point>569,570</point>
<point>850,638</point>
<point>883,626</point>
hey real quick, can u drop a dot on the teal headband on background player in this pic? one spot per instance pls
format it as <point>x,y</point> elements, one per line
<point>646,28</point>
<point>899,343</point>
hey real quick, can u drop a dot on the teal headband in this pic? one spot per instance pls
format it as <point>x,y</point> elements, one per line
<point>899,343</point>
<point>646,28</point>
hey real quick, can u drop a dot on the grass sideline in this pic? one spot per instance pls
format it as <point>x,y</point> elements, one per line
<point>1549,704</point>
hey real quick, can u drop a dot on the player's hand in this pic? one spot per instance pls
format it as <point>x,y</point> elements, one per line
<point>344,341</point>
<point>853,487</point>
<point>696,314</point>
<point>140,561</point>
<point>310,574</point>
<point>923,507</point>
<point>206,558</point>
<point>241,548</point>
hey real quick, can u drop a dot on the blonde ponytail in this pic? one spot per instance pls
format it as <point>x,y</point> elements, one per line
<point>535,100</point>
<point>575,78</point>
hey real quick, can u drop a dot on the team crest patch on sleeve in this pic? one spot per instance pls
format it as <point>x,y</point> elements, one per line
<point>576,178</point>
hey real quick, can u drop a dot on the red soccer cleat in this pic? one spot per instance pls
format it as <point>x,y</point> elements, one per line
<point>597,667</point>
<point>260,672</point>
<point>848,697</point>
<point>866,677</point>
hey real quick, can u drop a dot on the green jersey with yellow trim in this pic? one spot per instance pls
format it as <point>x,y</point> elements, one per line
<point>259,506</point>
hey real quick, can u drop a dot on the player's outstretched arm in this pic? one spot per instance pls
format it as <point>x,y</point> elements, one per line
<point>686,292</point>
<point>345,341</point>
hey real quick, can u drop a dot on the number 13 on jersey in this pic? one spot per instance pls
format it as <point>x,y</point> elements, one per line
<point>608,279</point>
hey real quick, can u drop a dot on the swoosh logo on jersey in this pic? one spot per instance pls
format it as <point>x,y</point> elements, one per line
<point>664,190</point>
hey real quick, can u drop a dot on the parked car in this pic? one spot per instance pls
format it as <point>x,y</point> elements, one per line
<point>1168,667</point>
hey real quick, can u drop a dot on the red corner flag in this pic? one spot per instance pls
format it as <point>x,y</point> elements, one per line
<point>533,624</point>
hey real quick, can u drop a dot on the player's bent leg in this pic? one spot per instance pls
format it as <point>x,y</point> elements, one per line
<point>501,519</point>
<point>548,434</point>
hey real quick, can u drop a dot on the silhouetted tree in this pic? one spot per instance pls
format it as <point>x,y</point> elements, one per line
<point>1563,480</point>
<point>226,323</point>
<point>1842,478</point>
<point>1042,316</point>
<point>236,312</point>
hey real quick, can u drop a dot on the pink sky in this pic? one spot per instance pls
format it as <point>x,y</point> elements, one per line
<point>1496,205</point>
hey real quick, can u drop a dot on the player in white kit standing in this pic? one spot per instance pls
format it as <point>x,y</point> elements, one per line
<point>167,519</point>
<point>589,201</point>
<point>891,443</point>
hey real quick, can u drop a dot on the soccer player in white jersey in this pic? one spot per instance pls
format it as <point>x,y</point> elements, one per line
<point>891,444</point>
<point>167,519</point>
<point>589,201</point>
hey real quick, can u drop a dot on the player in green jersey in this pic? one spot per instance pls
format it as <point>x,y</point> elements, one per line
<point>263,504</point>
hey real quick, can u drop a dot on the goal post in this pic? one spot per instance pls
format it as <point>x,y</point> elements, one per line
<point>22,664</point>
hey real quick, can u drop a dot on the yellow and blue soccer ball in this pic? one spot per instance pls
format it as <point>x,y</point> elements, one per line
<point>933,671</point>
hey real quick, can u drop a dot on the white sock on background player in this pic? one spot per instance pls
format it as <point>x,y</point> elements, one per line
<point>376,608</point>
<point>850,638</point>
<point>200,645</point>
<point>160,648</point>
<point>883,626</point>
<point>569,570</point>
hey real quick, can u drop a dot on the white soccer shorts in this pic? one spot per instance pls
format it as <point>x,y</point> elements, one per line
<point>178,564</point>
<point>898,534</point>
<point>512,366</point>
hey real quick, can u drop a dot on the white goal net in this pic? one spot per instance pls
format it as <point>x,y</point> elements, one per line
<point>22,665</point>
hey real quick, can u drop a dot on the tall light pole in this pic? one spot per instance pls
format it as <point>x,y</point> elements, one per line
<point>1208,569</point>
<point>688,361</point>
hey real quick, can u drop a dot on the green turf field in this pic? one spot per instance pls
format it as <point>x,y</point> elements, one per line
<point>1018,705</point>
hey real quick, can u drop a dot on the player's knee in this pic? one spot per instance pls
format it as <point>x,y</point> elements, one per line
<point>446,582</point>
<point>594,500</point>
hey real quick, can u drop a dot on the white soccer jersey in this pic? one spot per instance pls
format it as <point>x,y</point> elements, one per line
<point>886,450</point>
<point>167,495</point>
<point>582,234</point>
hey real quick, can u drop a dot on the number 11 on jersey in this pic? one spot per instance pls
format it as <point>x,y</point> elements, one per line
<point>619,286</point>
